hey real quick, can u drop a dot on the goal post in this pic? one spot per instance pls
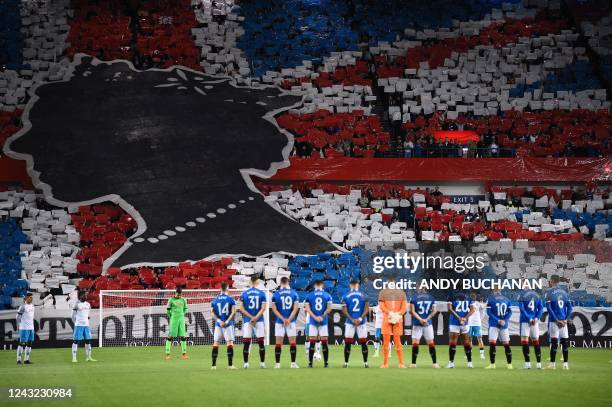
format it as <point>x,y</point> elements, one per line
<point>138,317</point>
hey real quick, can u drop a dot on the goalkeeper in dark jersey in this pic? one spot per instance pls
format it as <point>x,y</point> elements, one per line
<point>177,308</point>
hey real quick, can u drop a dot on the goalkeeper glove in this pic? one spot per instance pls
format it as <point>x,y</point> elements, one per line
<point>394,317</point>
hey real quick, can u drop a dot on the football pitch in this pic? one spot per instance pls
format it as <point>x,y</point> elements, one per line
<point>141,376</point>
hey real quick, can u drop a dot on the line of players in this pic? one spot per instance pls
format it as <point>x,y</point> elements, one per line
<point>81,333</point>
<point>464,323</point>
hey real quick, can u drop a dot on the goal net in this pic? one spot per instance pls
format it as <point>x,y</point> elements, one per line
<point>138,317</point>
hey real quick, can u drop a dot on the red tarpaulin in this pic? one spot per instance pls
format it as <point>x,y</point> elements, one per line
<point>452,169</point>
<point>459,136</point>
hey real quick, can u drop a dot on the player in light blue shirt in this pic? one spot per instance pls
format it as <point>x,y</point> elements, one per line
<point>318,307</point>
<point>559,309</point>
<point>252,306</point>
<point>422,310</point>
<point>224,309</point>
<point>531,307</point>
<point>285,306</point>
<point>499,312</point>
<point>355,308</point>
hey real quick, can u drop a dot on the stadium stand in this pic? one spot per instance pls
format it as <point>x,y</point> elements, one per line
<point>376,82</point>
<point>39,245</point>
<point>352,215</point>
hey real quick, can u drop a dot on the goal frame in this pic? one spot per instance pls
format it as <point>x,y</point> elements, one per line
<point>101,309</point>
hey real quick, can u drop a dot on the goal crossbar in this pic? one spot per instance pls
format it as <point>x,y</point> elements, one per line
<point>138,317</point>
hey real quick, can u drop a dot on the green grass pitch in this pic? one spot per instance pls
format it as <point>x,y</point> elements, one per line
<point>141,377</point>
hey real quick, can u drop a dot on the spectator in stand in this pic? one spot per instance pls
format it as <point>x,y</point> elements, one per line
<point>471,149</point>
<point>408,148</point>
<point>494,149</point>
<point>568,150</point>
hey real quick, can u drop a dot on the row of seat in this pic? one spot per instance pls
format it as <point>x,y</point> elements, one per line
<point>351,134</point>
<point>534,219</point>
<point>543,133</point>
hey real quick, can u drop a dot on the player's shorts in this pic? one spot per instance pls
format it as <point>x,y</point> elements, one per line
<point>377,333</point>
<point>280,330</point>
<point>26,335</point>
<point>82,333</point>
<point>176,328</point>
<point>317,330</point>
<point>419,331</point>
<point>349,331</point>
<point>503,334</point>
<point>531,331</point>
<point>248,330</point>
<point>475,331</point>
<point>226,332</point>
<point>458,329</point>
<point>555,332</point>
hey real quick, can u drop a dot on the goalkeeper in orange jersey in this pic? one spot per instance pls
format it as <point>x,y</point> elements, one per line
<point>393,304</point>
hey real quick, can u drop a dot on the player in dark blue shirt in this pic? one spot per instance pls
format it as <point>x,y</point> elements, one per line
<point>223,309</point>
<point>559,309</point>
<point>355,307</point>
<point>460,308</point>
<point>252,307</point>
<point>531,307</point>
<point>499,312</point>
<point>422,310</point>
<point>318,307</point>
<point>285,306</point>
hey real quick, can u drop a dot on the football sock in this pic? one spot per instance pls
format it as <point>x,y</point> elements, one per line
<point>215,353</point>
<point>28,349</point>
<point>262,350</point>
<point>364,351</point>
<point>386,342</point>
<point>245,350</point>
<point>307,346</point>
<point>432,353</point>
<point>377,344</point>
<point>183,346</point>
<point>398,347</point>
<point>230,355</point>
<point>74,350</point>
<point>168,346</point>
<point>415,353</point>
<point>325,351</point>
<point>19,352</point>
<point>538,351</point>
<point>277,352</point>
<point>508,351</point>
<point>293,352</point>
<point>88,350</point>
<point>468,352</point>
<point>452,349</point>
<point>526,352</point>
<point>311,351</point>
<point>564,349</point>
<point>347,350</point>
<point>553,350</point>
<point>492,353</point>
